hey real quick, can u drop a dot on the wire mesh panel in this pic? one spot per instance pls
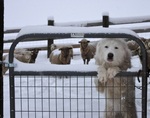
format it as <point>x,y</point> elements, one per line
<point>62,97</point>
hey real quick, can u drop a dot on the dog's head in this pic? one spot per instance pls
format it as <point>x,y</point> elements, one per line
<point>112,52</point>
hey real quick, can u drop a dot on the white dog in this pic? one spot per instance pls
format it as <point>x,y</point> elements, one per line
<point>112,56</point>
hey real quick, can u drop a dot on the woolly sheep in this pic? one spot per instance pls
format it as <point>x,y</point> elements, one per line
<point>23,55</point>
<point>87,50</point>
<point>54,47</point>
<point>133,46</point>
<point>146,43</point>
<point>60,56</point>
<point>147,46</point>
<point>35,52</point>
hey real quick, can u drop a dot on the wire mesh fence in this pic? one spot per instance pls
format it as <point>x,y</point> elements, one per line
<point>61,97</point>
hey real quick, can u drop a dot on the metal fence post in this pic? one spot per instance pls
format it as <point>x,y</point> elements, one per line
<point>105,20</point>
<point>50,41</point>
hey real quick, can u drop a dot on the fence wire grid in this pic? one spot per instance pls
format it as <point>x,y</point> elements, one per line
<point>60,97</point>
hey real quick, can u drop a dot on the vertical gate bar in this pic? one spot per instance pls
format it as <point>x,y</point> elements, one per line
<point>91,99</point>
<point>56,95</point>
<point>49,104</point>
<point>70,98</point>
<point>144,87</point>
<point>50,41</point>
<point>28,100</point>
<point>144,81</point>
<point>77,97</point>
<point>84,98</point>
<point>63,96</point>
<point>12,93</point>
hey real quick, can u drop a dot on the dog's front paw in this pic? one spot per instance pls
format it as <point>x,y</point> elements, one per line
<point>111,72</point>
<point>102,75</point>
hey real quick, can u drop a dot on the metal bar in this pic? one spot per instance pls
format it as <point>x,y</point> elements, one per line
<point>12,31</point>
<point>70,73</point>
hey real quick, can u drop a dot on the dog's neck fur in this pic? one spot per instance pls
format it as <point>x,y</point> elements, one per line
<point>122,66</point>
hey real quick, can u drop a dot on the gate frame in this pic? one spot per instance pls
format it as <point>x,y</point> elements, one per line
<point>106,33</point>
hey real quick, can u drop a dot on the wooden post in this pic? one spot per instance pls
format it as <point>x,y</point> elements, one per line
<point>105,20</point>
<point>50,41</point>
<point>1,55</point>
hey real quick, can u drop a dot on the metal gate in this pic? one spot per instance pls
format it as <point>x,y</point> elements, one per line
<point>65,94</point>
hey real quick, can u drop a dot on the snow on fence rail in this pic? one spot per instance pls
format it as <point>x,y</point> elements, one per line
<point>105,22</point>
<point>111,21</point>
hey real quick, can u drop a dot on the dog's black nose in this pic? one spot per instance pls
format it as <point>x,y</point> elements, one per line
<point>110,55</point>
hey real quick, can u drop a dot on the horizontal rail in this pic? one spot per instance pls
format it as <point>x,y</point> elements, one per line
<point>137,30</point>
<point>71,73</point>
<point>12,30</point>
<point>112,21</point>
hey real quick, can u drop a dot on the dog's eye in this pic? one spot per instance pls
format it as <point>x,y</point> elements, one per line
<point>116,47</point>
<point>106,46</point>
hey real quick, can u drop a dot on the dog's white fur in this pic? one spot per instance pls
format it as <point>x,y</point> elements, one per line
<point>112,56</point>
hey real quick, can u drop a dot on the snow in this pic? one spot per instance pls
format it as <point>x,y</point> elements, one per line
<point>34,13</point>
<point>130,19</point>
<point>74,31</point>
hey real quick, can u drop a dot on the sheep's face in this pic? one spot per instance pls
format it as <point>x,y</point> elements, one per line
<point>84,43</point>
<point>53,47</point>
<point>65,51</point>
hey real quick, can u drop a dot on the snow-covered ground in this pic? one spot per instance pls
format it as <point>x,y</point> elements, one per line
<point>20,13</point>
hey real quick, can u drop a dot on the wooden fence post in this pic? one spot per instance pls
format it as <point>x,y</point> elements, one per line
<point>105,20</point>
<point>50,41</point>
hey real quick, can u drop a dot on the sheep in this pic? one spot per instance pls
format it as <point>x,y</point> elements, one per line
<point>54,46</point>
<point>35,52</point>
<point>147,46</point>
<point>23,55</point>
<point>146,43</point>
<point>87,50</point>
<point>60,56</point>
<point>133,46</point>
<point>20,54</point>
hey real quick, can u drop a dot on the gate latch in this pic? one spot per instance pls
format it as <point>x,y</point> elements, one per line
<point>7,64</point>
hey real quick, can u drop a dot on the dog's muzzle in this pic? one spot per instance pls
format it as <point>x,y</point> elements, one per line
<point>110,56</point>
